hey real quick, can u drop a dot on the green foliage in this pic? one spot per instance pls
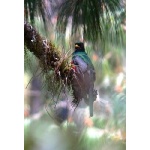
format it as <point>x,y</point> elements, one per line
<point>119,110</point>
<point>100,122</point>
<point>30,62</point>
<point>99,22</point>
<point>43,134</point>
<point>95,20</point>
<point>36,8</point>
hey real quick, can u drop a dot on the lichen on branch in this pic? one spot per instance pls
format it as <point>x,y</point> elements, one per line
<point>51,60</point>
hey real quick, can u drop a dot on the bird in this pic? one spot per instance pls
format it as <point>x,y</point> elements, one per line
<point>84,77</point>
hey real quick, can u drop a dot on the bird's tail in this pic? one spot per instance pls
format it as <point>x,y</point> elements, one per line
<point>92,98</point>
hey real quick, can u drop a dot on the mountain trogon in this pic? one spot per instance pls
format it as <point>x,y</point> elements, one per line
<point>83,82</point>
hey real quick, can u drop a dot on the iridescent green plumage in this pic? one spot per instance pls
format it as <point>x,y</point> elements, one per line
<point>84,57</point>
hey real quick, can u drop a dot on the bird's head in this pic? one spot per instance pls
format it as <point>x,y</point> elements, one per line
<point>79,46</point>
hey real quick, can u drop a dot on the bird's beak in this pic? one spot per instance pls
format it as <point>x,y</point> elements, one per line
<point>77,46</point>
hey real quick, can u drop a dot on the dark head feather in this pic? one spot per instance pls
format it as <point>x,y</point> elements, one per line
<point>79,46</point>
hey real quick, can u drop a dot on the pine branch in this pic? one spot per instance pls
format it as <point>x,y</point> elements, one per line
<point>50,58</point>
<point>44,51</point>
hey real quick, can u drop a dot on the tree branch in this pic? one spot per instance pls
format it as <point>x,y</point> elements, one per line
<point>49,56</point>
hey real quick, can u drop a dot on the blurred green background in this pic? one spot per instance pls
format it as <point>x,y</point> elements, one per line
<point>106,130</point>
